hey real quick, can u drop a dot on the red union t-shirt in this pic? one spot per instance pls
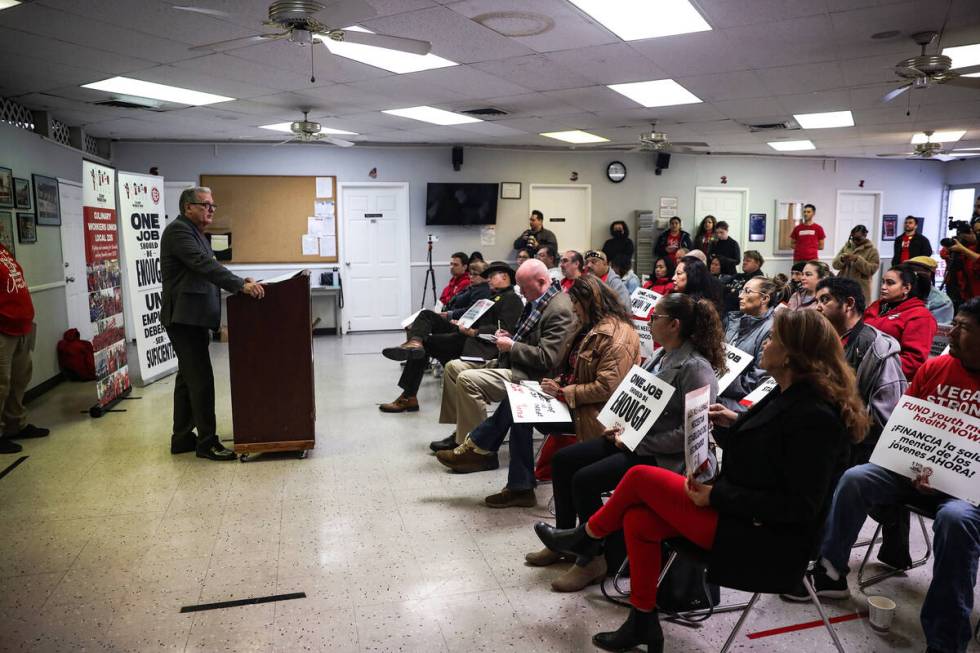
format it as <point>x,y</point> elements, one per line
<point>904,254</point>
<point>807,237</point>
<point>16,307</point>
<point>943,380</point>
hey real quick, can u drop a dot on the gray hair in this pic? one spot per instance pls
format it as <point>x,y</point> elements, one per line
<point>189,196</point>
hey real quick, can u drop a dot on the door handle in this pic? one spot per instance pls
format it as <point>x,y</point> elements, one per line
<point>66,264</point>
<point>347,263</point>
<point>69,279</point>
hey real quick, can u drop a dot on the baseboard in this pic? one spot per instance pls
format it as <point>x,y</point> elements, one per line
<point>325,331</point>
<point>43,387</point>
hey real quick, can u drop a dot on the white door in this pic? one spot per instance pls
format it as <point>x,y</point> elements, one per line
<point>726,204</point>
<point>567,210</point>
<point>376,272</point>
<point>171,198</point>
<point>854,208</point>
<point>73,249</point>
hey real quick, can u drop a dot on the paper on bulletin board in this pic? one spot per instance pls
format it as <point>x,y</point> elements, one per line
<point>310,247</point>
<point>668,203</point>
<point>316,226</point>
<point>488,235</point>
<point>328,246</point>
<point>323,208</point>
<point>668,213</point>
<point>324,187</point>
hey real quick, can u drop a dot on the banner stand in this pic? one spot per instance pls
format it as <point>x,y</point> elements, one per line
<point>97,411</point>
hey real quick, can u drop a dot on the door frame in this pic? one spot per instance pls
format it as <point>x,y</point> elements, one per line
<point>405,237</point>
<point>744,221</point>
<point>588,204</point>
<point>86,324</point>
<point>875,227</point>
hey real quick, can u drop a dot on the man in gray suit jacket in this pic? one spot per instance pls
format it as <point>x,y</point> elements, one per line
<point>191,306</point>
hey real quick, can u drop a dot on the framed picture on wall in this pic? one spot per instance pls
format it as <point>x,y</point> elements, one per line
<point>510,190</point>
<point>47,203</point>
<point>6,188</point>
<point>757,227</point>
<point>22,194</point>
<point>7,230</point>
<point>26,228</point>
<point>789,213</point>
<point>889,226</point>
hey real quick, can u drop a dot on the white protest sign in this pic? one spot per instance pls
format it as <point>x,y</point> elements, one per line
<point>737,360</point>
<point>765,387</point>
<point>646,339</point>
<point>529,405</point>
<point>635,405</point>
<point>407,322</point>
<point>926,439</point>
<point>643,301</point>
<point>697,428</point>
<point>475,312</point>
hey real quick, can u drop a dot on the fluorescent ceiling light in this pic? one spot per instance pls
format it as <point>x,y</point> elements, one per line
<point>963,56</point>
<point>824,120</point>
<point>433,115</point>
<point>287,127</point>
<point>576,136</point>
<point>7,4</point>
<point>139,88</point>
<point>938,137</point>
<point>792,146</point>
<point>645,19</point>
<point>658,93</point>
<point>391,60</point>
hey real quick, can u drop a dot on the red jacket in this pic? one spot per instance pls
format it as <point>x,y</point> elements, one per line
<point>453,287</point>
<point>911,324</point>
<point>659,286</point>
<point>16,307</point>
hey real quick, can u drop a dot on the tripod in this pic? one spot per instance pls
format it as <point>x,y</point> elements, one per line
<point>430,277</point>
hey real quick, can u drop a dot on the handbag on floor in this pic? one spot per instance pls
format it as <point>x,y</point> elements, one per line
<point>686,587</point>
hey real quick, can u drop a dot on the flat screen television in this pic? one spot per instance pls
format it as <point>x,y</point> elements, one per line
<point>461,204</point>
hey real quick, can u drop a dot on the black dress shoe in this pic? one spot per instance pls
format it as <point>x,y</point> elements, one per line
<point>30,431</point>
<point>445,444</point>
<point>216,452</point>
<point>568,540</point>
<point>639,628</point>
<point>183,444</point>
<point>402,353</point>
<point>6,446</point>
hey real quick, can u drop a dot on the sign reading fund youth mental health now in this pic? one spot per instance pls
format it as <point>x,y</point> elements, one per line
<point>926,439</point>
<point>141,220</point>
<point>697,429</point>
<point>635,405</point>
<point>105,301</point>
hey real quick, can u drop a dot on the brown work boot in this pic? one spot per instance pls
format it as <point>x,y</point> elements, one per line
<point>409,350</point>
<point>465,460</point>
<point>508,498</point>
<point>401,405</point>
<point>577,578</point>
<point>546,557</point>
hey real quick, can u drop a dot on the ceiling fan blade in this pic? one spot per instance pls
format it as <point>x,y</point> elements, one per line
<point>894,93</point>
<point>239,42</point>
<point>901,154</point>
<point>288,140</point>
<point>339,142</point>
<point>411,46</point>
<point>347,12</point>
<point>201,10</point>
<point>965,82</point>
<point>965,70</point>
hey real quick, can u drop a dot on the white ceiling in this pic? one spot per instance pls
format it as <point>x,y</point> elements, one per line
<point>763,61</point>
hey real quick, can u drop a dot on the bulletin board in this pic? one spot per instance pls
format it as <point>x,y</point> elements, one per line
<point>267,216</point>
<point>789,213</point>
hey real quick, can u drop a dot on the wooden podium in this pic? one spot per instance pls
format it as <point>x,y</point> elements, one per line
<point>270,356</point>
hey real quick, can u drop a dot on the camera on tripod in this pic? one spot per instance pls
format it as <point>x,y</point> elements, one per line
<point>961,227</point>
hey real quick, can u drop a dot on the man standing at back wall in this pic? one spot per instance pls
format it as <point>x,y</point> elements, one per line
<point>807,237</point>
<point>192,279</point>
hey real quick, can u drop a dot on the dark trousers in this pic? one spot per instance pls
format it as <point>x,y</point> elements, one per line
<point>194,385</point>
<point>442,341</point>
<point>428,323</point>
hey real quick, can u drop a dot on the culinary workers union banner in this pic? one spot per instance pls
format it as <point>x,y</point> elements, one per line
<point>105,302</point>
<point>141,220</point>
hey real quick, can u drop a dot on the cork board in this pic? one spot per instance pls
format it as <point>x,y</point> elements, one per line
<point>266,216</point>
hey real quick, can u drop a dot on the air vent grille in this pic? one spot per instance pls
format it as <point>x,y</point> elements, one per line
<point>123,104</point>
<point>486,111</point>
<point>773,126</point>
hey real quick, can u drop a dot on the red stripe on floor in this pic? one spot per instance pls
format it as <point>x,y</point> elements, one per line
<point>809,624</point>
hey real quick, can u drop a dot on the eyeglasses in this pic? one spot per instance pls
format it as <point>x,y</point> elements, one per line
<point>749,291</point>
<point>660,317</point>
<point>208,206</point>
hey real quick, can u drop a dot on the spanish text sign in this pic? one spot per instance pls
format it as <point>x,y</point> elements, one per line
<point>697,429</point>
<point>642,302</point>
<point>925,439</point>
<point>635,405</point>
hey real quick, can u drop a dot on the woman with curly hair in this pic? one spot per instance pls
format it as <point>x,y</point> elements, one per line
<point>705,234</point>
<point>760,519</point>
<point>692,350</point>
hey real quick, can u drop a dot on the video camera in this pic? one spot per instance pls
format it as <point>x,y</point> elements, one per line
<point>960,226</point>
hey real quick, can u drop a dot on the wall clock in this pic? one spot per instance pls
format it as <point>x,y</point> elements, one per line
<point>616,172</point>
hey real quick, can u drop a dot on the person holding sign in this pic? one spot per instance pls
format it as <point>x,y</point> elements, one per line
<point>760,518</point>
<point>434,336</point>
<point>953,382</point>
<point>747,329</point>
<point>901,313</point>
<point>690,336</point>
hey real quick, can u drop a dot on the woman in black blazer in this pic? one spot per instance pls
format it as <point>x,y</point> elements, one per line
<point>761,517</point>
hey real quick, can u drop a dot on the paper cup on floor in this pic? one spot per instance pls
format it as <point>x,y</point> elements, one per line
<point>881,611</point>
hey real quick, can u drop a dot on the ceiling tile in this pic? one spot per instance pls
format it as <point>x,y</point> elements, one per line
<point>734,85</point>
<point>782,43</point>
<point>725,13</point>
<point>242,70</point>
<point>700,53</point>
<point>750,108</point>
<point>608,64</point>
<point>593,98</point>
<point>296,58</point>
<point>815,102</point>
<point>532,104</point>
<point>534,71</point>
<point>469,82</point>
<point>802,78</point>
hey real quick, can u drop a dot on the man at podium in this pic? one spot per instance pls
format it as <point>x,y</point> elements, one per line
<point>191,306</point>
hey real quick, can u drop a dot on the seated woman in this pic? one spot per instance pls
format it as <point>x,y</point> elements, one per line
<point>691,277</point>
<point>747,329</point>
<point>690,336</point>
<point>608,346</point>
<point>901,313</point>
<point>760,520</point>
<point>806,296</point>
<point>662,279</point>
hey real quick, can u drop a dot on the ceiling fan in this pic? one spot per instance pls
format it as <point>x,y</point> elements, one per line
<point>933,150</point>
<point>927,70</point>
<point>307,131</point>
<point>654,141</point>
<point>308,22</point>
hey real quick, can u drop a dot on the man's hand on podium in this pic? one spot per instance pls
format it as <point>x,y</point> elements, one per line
<point>252,289</point>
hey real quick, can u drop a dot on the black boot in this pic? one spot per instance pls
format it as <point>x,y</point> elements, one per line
<point>568,540</point>
<point>639,628</point>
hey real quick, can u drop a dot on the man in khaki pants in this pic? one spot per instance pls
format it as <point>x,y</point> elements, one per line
<point>538,347</point>
<point>16,343</point>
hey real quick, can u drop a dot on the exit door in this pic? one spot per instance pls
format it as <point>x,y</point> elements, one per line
<point>73,249</point>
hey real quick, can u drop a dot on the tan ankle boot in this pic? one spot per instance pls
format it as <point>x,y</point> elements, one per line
<point>544,557</point>
<point>578,578</point>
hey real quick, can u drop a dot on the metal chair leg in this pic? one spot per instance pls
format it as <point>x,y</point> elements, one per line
<point>739,623</point>
<point>823,616</point>
<point>877,578</point>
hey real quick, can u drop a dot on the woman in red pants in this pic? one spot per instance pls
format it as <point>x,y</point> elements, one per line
<point>761,517</point>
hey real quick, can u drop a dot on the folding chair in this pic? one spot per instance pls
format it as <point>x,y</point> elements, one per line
<point>921,514</point>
